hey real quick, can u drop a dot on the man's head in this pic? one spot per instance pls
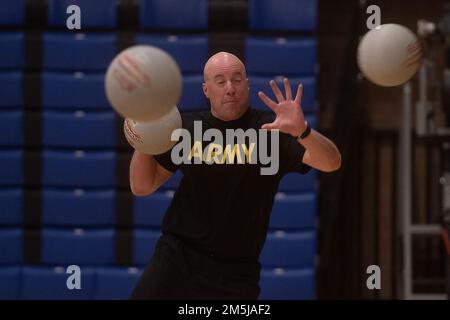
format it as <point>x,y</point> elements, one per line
<point>226,86</point>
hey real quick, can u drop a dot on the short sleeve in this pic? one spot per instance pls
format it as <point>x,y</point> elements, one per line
<point>165,160</point>
<point>291,155</point>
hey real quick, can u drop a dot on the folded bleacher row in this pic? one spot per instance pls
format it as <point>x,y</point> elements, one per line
<point>64,194</point>
<point>74,241</point>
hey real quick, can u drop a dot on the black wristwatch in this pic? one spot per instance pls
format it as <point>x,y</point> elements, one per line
<point>305,133</point>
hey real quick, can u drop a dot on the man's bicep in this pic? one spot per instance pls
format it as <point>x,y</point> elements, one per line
<point>162,175</point>
<point>293,156</point>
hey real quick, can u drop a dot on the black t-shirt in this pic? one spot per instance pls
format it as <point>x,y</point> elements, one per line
<point>224,209</point>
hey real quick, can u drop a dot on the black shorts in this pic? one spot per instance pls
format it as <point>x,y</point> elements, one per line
<point>176,271</point>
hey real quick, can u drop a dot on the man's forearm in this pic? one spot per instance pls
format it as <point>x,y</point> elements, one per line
<point>322,152</point>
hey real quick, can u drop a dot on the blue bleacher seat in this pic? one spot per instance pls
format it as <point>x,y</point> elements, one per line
<point>78,246</point>
<point>173,182</point>
<point>281,56</point>
<point>293,211</point>
<point>10,278</point>
<point>258,83</point>
<point>289,249</point>
<point>11,123</point>
<point>75,91</point>
<point>78,207</point>
<point>295,182</point>
<point>78,168</point>
<point>79,129</point>
<point>282,15</point>
<point>115,283</point>
<point>11,89</point>
<point>149,211</point>
<point>11,50</point>
<point>144,245</point>
<point>11,167</point>
<point>78,51</point>
<point>11,244</point>
<point>192,98</point>
<point>287,284</point>
<point>189,51</point>
<point>98,13</point>
<point>11,207</point>
<point>12,12</point>
<point>50,283</point>
<point>173,14</point>
<point>312,119</point>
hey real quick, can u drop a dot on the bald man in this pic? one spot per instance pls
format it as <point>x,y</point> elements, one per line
<point>217,222</point>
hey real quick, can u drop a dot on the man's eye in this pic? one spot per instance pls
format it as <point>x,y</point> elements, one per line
<point>221,82</point>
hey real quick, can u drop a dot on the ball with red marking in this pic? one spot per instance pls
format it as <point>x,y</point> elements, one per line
<point>153,137</point>
<point>143,83</point>
<point>389,55</point>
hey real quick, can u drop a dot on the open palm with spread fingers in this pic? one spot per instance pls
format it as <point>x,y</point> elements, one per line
<point>289,114</point>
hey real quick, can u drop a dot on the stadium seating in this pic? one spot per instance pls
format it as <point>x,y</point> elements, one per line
<point>78,246</point>
<point>294,211</point>
<point>79,129</point>
<point>193,98</point>
<point>165,14</point>
<point>78,207</point>
<point>11,171</point>
<point>295,183</point>
<point>287,55</point>
<point>11,89</point>
<point>285,15</point>
<point>10,278</point>
<point>11,204</point>
<point>95,14</point>
<point>81,205</point>
<point>287,284</point>
<point>12,13</point>
<point>11,50</point>
<point>77,169</point>
<point>115,283</point>
<point>63,51</point>
<point>50,283</point>
<point>144,245</point>
<point>189,51</point>
<point>149,211</point>
<point>289,249</point>
<point>12,124</point>
<point>11,244</point>
<point>74,91</point>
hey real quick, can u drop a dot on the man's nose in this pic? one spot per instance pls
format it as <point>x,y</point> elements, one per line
<point>230,88</point>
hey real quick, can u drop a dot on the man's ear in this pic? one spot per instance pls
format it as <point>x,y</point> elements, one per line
<point>205,90</point>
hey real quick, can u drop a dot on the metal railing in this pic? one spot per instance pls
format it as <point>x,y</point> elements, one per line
<point>360,220</point>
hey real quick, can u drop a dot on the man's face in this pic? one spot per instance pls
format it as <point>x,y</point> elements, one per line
<point>226,86</point>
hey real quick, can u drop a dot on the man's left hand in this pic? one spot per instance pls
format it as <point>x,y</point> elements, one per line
<point>289,114</point>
